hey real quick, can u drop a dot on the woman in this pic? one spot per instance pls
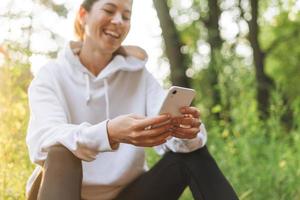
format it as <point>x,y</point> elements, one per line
<point>81,132</point>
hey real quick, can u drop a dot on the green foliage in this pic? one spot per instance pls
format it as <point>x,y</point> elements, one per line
<point>259,158</point>
<point>60,9</point>
<point>14,162</point>
<point>285,67</point>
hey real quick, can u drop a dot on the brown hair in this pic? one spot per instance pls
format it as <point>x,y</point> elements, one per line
<point>78,28</point>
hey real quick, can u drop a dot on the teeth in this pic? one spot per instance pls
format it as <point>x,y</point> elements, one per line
<point>114,34</point>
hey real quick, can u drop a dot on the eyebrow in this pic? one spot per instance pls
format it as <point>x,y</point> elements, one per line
<point>113,5</point>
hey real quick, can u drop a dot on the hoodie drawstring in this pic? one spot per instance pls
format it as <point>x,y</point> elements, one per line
<point>88,93</point>
<point>87,88</point>
<point>106,98</point>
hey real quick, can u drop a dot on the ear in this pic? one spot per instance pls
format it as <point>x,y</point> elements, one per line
<point>82,15</point>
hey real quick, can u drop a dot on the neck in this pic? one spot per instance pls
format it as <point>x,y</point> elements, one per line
<point>93,59</point>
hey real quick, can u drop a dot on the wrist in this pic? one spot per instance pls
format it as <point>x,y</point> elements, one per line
<point>112,141</point>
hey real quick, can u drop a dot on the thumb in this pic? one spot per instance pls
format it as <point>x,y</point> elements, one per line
<point>136,116</point>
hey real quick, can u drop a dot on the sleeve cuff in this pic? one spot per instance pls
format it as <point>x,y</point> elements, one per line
<point>98,137</point>
<point>202,135</point>
<point>188,145</point>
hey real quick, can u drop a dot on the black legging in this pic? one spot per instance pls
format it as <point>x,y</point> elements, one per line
<point>165,181</point>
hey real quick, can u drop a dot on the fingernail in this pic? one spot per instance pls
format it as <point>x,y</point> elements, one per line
<point>169,137</point>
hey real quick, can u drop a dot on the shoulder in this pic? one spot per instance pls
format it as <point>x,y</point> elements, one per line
<point>48,71</point>
<point>131,50</point>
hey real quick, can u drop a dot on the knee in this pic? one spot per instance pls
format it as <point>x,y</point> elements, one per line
<point>201,154</point>
<point>61,159</point>
<point>201,158</point>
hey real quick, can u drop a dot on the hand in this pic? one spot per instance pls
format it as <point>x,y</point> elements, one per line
<point>130,50</point>
<point>132,129</point>
<point>186,126</point>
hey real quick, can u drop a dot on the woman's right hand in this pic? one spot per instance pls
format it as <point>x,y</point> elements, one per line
<point>134,129</point>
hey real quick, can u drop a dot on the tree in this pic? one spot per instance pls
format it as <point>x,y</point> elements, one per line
<point>173,45</point>
<point>215,42</point>
<point>264,82</point>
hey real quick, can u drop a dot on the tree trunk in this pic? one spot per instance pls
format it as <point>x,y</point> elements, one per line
<point>178,61</point>
<point>264,82</point>
<point>215,41</point>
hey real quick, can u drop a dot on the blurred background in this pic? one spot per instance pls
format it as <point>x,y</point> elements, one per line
<point>242,57</point>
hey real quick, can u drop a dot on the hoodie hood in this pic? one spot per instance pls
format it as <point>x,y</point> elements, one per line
<point>118,63</point>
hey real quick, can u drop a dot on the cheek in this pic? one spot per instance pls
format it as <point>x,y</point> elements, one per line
<point>97,21</point>
<point>126,29</point>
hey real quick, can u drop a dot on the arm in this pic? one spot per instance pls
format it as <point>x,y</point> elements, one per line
<point>49,125</point>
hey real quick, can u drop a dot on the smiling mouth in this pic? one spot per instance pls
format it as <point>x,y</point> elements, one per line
<point>112,34</point>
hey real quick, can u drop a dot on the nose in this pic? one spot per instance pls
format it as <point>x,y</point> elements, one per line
<point>117,19</point>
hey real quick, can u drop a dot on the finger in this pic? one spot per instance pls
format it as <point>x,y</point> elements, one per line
<point>179,135</point>
<point>186,132</point>
<point>190,110</point>
<point>142,124</point>
<point>183,135</point>
<point>193,122</point>
<point>155,132</point>
<point>135,51</point>
<point>156,141</point>
<point>142,136</point>
<point>162,136</point>
<point>136,116</point>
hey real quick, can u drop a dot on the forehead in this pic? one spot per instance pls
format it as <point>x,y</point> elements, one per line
<point>123,4</point>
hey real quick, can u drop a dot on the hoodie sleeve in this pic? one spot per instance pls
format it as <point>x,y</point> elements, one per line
<point>155,96</point>
<point>48,125</point>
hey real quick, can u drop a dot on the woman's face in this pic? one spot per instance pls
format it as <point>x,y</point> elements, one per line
<point>107,24</point>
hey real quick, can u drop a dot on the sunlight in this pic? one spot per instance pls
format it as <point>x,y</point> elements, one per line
<point>145,30</point>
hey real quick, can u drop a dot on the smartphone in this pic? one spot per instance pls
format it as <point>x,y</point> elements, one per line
<point>176,98</point>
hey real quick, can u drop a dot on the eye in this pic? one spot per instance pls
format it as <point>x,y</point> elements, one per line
<point>108,11</point>
<point>125,17</point>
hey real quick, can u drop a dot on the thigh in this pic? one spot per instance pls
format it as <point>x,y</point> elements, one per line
<point>166,180</point>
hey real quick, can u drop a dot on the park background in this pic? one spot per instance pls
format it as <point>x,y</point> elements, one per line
<point>242,57</point>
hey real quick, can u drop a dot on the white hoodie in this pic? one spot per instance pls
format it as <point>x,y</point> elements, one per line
<point>70,106</point>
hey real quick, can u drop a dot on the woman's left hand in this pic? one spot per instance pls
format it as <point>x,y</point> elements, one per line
<point>131,50</point>
<point>186,126</point>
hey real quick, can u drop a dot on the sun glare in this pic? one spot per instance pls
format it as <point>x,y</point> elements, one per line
<point>145,30</point>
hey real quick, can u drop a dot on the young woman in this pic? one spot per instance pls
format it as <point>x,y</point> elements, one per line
<point>90,109</point>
